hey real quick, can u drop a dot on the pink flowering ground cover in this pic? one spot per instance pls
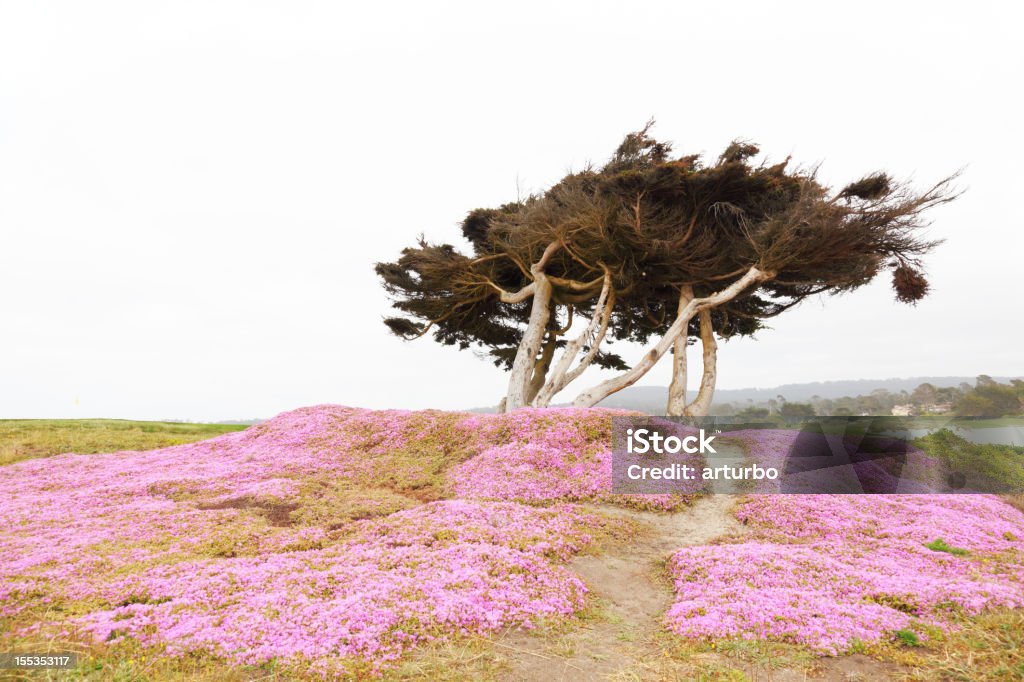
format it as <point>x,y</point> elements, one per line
<point>566,463</point>
<point>327,533</point>
<point>828,571</point>
<point>413,576</point>
<point>337,539</point>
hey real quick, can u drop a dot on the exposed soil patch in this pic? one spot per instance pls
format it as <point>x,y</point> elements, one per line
<point>276,513</point>
<point>631,592</point>
<point>848,669</point>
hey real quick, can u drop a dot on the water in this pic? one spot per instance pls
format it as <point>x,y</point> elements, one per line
<point>1000,435</point>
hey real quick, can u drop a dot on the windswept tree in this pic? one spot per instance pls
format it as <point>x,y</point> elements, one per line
<point>656,249</point>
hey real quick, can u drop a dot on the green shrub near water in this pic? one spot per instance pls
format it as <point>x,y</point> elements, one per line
<point>998,463</point>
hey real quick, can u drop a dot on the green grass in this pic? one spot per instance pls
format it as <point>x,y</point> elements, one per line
<point>939,545</point>
<point>908,637</point>
<point>27,438</point>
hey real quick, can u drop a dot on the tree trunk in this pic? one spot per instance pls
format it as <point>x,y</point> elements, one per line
<point>677,389</point>
<point>592,336</point>
<point>594,395</point>
<point>701,405</point>
<point>529,346</point>
<point>540,369</point>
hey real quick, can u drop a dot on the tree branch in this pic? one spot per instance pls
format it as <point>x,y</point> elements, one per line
<point>594,395</point>
<point>568,322</point>
<point>550,251</point>
<point>593,334</point>
<point>575,285</point>
<point>514,296</point>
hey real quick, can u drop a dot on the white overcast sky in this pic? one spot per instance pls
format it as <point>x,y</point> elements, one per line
<point>193,194</point>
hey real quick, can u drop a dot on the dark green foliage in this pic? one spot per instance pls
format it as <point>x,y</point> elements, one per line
<point>754,413</point>
<point>400,326</point>
<point>478,221</point>
<point>989,398</point>
<point>797,410</point>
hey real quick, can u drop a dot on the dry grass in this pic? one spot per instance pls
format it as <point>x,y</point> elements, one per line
<point>129,662</point>
<point>988,648</point>
<point>1016,500</point>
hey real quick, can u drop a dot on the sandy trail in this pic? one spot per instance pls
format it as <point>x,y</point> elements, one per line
<point>631,585</point>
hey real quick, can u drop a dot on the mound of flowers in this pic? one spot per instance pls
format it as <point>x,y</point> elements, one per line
<point>565,462</point>
<point>830,570</point>
<point>325,532</point>
<point>441,568</point>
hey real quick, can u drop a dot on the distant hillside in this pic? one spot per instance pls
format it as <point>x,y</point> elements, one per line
<point>651,399</point>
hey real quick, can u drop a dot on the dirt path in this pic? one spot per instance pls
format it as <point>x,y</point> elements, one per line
<point>625,639</point>
<point>632,590</point>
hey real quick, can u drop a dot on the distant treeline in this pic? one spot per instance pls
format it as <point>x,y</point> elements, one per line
<point>986,398</point>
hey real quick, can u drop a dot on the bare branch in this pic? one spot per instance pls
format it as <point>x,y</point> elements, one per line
<point>591,337</point>
<point>550,251</point>
<point>514,296</point>
<point>598,393</point>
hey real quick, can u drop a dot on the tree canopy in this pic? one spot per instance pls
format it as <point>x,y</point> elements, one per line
<point>653,247</point>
